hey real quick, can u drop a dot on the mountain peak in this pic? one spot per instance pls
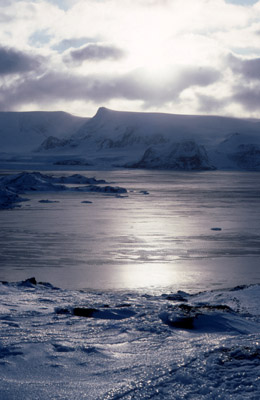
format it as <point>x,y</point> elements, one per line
<point>102,111</point>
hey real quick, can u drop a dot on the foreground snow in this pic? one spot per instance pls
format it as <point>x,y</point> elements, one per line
<point>61,344</point>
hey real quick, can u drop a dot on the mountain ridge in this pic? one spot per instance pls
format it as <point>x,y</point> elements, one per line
<point>146,140</point>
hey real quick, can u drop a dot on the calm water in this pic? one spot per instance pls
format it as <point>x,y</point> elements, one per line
<point>155,242</point>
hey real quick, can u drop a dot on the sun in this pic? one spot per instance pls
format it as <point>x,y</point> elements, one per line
<point>160,38</point>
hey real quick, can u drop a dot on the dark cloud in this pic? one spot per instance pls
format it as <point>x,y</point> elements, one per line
<point>95,52</point>
<point>210,103</point>
<point>6,3</point>
<point>247,91</point>
<point>249,68</point>
<point>14,62</point>
<point>248,97</point>
<point>53,87</point>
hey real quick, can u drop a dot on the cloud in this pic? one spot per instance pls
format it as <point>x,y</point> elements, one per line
<point>94,52</point>
<point>73,42</point>
<point>13,61</point>
<point>158,54</point>
<point>248,68</point>
<point>56,86</point>
<point>210,104</point>
<point>248,97</point>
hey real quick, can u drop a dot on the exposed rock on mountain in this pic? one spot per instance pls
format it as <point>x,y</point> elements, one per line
<point>184,156</point>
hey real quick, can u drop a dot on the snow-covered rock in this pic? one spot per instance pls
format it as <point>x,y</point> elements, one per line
<point>30,181</point>
<point>183,156</point>
<point>72,162</point>
<point>242,151</point>
<point>9,199</point>
<point>247,157</point>
<point>52,142</point>
<point>14,184</point>
<point>77,179</point>
<point>100,189</point>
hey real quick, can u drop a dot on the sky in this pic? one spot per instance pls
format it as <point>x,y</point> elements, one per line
<point>173,56</point>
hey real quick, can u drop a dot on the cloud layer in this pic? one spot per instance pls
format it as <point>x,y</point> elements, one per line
<point>155,55</point>
<point>13,61</point>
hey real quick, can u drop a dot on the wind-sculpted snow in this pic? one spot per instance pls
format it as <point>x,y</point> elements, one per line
<point>64,344</point>
<point>13,185</point>
<point>186,156</point>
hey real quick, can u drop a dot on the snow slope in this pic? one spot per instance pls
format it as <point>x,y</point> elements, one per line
<point>64,344</point>
<point>24,131</point>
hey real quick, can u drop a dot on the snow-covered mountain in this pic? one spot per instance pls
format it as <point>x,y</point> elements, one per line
<point>24,131</point>
<point>139,140</point>
<point>169,141</point>
<point>186,155</point>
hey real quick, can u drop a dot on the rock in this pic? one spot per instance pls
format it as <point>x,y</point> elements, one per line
<point>84,312</point>
<point>182,156</point>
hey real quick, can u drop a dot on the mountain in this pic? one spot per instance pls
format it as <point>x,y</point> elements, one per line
<point>136,140</point>
<point>118,129</point>
<point>186,155</point>
<point>168,141</point>
<point>21,132</point>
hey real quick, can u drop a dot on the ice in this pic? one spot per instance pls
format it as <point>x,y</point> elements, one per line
<point>66,344</point>
<point>132,240</point>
